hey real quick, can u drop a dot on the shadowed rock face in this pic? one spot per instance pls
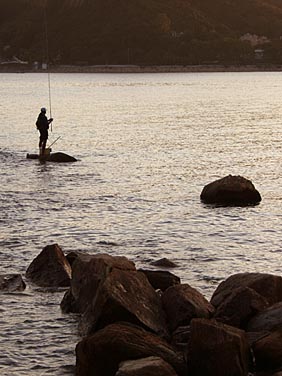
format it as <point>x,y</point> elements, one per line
<point>217,349</point>
<point>269,319</point>
<point>240,306</point>
<point>182,303</point>
<point>231,190</point>
<point>101,353</point>
<point>268,351</point>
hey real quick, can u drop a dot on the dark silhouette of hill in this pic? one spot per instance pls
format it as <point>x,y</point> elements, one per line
<point>139,31</point>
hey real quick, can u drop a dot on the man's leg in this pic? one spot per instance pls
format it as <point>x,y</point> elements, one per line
<point>40,145</point>
<point>43,146</point>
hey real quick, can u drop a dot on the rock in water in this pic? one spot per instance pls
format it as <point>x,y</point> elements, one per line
<point>231,190</point>
<point>11,283</point>
<point>54,157</point>
<point>61,158</point>
<point>50,268</point>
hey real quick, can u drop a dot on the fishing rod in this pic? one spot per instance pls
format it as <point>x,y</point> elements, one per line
<point>54,141</point>
<point>47,58</point>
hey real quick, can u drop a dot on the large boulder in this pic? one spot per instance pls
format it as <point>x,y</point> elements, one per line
<point>50,268</point>
<point>150,366</point>
<point>267,285</point>
<point>182,303</point>
<point>268,351</point>
<point>268,320</point>
<point>125,296</point>
<point>217,349</point>
<point>88,271</point>
<point>11,283</point>
<point>240,306</point>
<point>101,353</point>
<point>231,190</point>
<point>161,279</point>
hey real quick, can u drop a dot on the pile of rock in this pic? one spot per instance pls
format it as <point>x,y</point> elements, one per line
<point>139,322</point>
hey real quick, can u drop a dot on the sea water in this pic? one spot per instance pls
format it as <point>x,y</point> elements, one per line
<point>146,146</point>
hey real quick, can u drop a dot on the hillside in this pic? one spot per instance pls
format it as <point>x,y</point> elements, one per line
<point>139,31</point>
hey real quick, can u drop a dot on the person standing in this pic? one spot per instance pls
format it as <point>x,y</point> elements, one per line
<point>42,125</point>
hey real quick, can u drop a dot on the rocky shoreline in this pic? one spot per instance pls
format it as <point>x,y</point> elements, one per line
<point>204,68</point>
<point>146,322</point>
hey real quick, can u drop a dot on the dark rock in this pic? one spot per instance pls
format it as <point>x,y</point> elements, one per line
<point>150,366</point>
<point>240,306</point>
<point>165,263</point>
<point>71,257</point>
<point>125,296</point>
<point>268,320</point>
<point>180,338</point>
<point>69,304</point>
<point>54,157</point>
<point>11,283</point>
<point>182,303</point>
<point>231,190</point>
<point>161,279</point>
<point>61,158</point>
<point>217,349</point>
<point>50,268</point>
<point>267,285</point>
<point>101,353</point>
<point>88,271</point>
<point>268,351</point>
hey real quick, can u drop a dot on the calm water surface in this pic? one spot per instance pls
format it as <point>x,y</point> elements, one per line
<point>147,144</point>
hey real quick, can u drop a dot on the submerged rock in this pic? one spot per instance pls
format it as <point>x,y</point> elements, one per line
<point>231,190</point>
<point>54,157</point>
<point>11,283</point>
<point>50,268</point>
<point>61,157</point>
<point>165,263</point>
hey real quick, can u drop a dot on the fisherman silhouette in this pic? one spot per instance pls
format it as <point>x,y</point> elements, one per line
<point>42,125</point>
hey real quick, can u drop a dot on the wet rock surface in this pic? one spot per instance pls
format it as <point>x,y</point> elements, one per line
<point>231,190</point>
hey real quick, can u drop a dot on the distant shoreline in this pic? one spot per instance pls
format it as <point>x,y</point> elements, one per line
<point>203,68</point>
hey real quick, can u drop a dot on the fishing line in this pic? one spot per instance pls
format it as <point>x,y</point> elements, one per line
<point>47,58</point>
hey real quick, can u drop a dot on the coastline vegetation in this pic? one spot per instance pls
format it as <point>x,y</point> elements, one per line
<point>143,33</point>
